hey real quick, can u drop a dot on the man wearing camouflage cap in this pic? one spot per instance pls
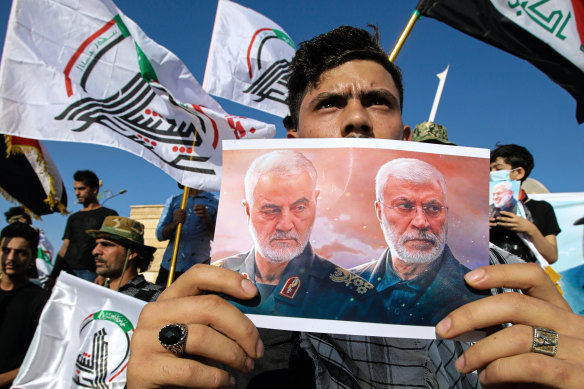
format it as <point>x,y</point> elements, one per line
<point>120,253</point>
<point>430,132</point>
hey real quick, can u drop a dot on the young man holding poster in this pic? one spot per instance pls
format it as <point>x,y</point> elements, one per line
<point>342,84</point>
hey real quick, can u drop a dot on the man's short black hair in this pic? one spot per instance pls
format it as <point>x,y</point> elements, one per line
<point>516,156</point>
<point>328,51</point>
<point>25,231</point>
<point>143,260</point>
<point>87,177</point>
<point>17,211</point>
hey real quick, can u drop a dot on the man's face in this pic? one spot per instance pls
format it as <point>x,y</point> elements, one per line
<point>501,163</point>
<point>356,99</point>
<point>109,258</point>
<point>501,196</point>
<point>84,193</point>
<point>281,215</point>
<point>413,234</point>
<point>16,256</point>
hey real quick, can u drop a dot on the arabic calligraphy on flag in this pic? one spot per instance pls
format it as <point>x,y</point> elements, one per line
<point>249,59</point>
<point>92,350</point>
<point>548,34</point>
<point>99,79</point>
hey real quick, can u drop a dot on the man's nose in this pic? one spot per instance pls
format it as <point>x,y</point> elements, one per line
<point>285,221</point>
<point>356,121</point>
<point>420,220</point>
<point>96,250</point>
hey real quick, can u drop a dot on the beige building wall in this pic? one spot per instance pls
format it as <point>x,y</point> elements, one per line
<point>149,216</point>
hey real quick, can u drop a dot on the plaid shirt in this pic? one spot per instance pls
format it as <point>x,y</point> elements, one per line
<point>141,289</point>
<point>345,361</point>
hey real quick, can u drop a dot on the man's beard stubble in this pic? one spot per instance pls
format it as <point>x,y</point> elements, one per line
<point>280,254</point>
<point>399,250</point>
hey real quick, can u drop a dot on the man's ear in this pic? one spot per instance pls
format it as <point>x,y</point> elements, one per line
<point>518,173</point>
<point>133,254</point>
<point>291,133</point>
<point>407,133</point>
<point>247,209</point>
<point>378,210</point>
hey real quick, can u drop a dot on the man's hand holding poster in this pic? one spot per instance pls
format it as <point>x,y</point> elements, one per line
<point>359,236</point>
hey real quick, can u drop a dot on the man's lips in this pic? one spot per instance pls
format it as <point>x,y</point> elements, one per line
<point>284,241</point>
<point>421,243</point>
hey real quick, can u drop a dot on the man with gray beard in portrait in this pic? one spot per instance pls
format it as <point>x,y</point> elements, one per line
<point>417,277</point>
<point>280,205</point>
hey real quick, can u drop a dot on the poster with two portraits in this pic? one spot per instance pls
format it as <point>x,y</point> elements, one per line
<point>353,236</point>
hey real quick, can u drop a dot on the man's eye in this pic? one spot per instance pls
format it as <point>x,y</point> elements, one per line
<point>271,212</point>
<point>300,208</point>
<point>433,208</point>
<point>404,206</point>
<point>5,250</point>
<point>377,100</point>
<point>326,104</point>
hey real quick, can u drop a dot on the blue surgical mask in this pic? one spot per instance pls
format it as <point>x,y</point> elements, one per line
<point>500,175</point>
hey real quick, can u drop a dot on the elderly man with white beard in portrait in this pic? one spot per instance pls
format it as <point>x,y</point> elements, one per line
<point>417,277</point>
<point>280,204</point>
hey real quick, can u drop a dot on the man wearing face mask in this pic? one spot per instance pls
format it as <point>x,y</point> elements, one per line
<point>540,224</point>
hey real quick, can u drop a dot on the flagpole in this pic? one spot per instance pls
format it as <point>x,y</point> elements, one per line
<point>183,206</point>
<point>442,78</point>
<point>404,35</point>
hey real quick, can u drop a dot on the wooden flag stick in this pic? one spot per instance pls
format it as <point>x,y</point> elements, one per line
<point>183,206</point>
<point>404,35</point>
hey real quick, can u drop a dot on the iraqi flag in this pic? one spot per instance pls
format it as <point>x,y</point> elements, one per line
<point>84,72</point>
<point>29,176</point>
<point>549,34</point>
<point>249,59</point>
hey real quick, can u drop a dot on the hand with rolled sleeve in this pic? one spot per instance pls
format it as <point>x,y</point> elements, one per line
<point>506,356</point>
<point>217,332</point>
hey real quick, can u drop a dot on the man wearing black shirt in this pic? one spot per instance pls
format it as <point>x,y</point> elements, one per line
<point>540,226</point>
<point>75,254</point>
<point>21,301</point>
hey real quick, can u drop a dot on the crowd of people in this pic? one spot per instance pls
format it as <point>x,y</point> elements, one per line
<point>341,85</point>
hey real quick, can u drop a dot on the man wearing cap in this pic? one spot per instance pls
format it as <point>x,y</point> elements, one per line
<point>573,282</point>
<point>120,253</point>
<point>430,132</point>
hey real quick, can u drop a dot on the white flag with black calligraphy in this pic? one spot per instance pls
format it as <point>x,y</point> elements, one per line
<point>87,73</point>
<point>82,339</point>
<point>249,59</point>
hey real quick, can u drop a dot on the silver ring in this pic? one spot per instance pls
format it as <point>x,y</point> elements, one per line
<point>545,341</point>
<point>173,337</point>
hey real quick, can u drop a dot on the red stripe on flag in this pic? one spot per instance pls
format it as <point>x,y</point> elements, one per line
<point>16,140</point>
<point>578,6</point>
<point>249,48</point>
<point>215,130</point>
<point>80,49</point>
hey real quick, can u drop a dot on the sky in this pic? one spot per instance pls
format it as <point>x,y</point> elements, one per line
<point>489,96</point>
